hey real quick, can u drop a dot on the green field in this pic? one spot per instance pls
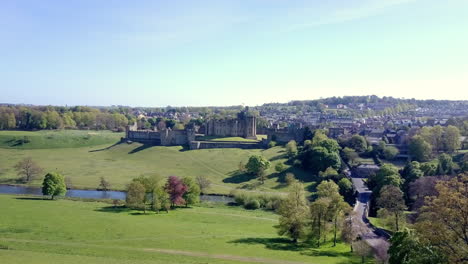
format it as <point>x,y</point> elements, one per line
<point>121,162</point>
<point>47,139</point>
<point>43,231</point>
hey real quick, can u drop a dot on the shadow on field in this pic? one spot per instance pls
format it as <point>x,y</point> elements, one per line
<point>107,148</point>
<point>238,177</point>
<point>282,156</point>
<point>34,198</point>
<point>277,243</point>
<point>305,248</point>
<point>140,148</point>
<point>113,209</point>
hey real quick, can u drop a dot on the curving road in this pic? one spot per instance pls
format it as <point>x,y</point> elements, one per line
<point>376,238</point>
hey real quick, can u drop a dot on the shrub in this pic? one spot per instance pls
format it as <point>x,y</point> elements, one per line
<point>252,204</point>
<point>290,178</point>
<point>280,167</point>
<point>271,144</point>
<point>250,200</point>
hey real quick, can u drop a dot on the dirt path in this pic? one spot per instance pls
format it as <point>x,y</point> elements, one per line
<point>163,251</point>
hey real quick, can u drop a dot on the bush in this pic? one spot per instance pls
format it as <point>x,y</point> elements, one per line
<point>253,201</point>
<point>290,178</point>
<point>280,167</point>
<point>252,204</point>
<point>271,144</point>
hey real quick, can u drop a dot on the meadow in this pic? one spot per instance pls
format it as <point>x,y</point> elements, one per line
<point>64,231</point>
<point>101,156</point>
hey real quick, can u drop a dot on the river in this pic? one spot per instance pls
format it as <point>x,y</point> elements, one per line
<point>94,194</point>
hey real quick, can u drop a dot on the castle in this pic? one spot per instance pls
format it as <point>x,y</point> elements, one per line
<point>243,126</point>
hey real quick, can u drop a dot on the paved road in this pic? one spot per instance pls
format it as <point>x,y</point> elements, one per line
<point>374,237</point>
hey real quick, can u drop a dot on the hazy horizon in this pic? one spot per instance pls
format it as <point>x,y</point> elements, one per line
<point>225,53</point>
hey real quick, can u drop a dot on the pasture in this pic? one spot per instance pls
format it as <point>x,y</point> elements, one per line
<point>63,231</point>
<point>119,163</point>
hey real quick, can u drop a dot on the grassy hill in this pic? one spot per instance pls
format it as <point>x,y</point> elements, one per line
<point>119,163</point>
<point>63,231</point>
<point>47,139</point>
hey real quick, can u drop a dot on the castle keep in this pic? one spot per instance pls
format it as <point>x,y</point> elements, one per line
<point>243,126</point>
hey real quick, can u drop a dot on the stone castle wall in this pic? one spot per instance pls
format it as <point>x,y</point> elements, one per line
<point>225,144</point>
<point>240,127</point>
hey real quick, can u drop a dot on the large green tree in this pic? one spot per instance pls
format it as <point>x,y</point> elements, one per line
<point>391,199</point>
<point>54,185</point>
<point>443,221</point>
<point>419,149</point>
<point>406,248</point>
<point>293,213</point>
<point>192,195</point>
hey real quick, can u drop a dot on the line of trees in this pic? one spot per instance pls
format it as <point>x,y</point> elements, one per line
<point>35,118</point>
<point>145,193</point>
<point>300,219</point>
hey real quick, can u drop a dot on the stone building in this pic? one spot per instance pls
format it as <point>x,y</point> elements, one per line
<point>164,137</point>
<point>242,126</point>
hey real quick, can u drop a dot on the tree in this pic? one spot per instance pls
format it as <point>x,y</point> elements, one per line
<point>406,248</point>
<point>192,195</point>
<point>136,196</point>
<point>319,159</point>
<point>358,143</point>
<point>445,166</point>
<point>203,182</point>
<point>443,220</point>
<point>346,189</point>
<point>362,249</point>
<point>290,178</point>
<point>349,232</point>
<point>452,139</point>
<point>350,155</point>
<point>291,149</point>
<point>319,212</point>
<point>293,213</point>
<point>28,169</point>
<point>257,165</point>
<point>337,207</point>
<point>391,199</point>
<point>161,200</point>
<point>419,149</point>
<point>390,152</point>
<point>104,184</point>
<point>329,173</point>
<point>176,189</point>
<point>386,175</point>
<point>54,185</point>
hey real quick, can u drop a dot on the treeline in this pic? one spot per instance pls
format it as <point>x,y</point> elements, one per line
<point>50,117</point>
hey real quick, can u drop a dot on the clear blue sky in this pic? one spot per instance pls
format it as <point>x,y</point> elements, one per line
<point>230,52</point>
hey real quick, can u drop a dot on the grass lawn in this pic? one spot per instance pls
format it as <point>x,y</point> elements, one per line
<point>120,163</point>
<point>47,139</point>
<point>63,231</point>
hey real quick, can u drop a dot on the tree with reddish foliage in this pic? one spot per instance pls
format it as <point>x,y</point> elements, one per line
<point>176,189</point>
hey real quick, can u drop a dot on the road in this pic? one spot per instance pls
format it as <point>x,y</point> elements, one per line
<point>376,238</point>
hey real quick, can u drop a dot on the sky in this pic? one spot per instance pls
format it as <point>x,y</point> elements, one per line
<point>230,52</point>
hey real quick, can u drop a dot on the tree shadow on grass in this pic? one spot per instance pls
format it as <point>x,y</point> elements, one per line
<point>304,248</point>
<point>106,148</point>
<point>277,243</point>
<point>238,177</point>
<point>34,198</point>
<point>140,148</point>
<point>113,209</point>
<point>282,156</point>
